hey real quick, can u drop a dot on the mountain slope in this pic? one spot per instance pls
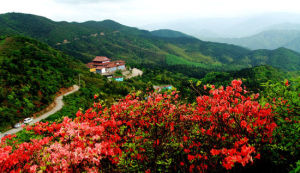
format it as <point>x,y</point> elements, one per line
<point>86,40</point>
<point>169,33</point>
<point>294,44</point>
<point>280,58</point>
<point>31,73</point>
<point>270,39</point>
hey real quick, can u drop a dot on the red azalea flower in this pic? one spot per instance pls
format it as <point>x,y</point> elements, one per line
<point>287,83</point>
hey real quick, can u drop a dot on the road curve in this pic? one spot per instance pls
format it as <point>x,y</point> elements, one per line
<point>58,106</point>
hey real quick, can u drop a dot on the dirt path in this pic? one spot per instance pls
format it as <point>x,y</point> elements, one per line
<point>58,106</point>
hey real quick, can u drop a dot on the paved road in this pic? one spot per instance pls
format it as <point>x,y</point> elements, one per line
<point>59,104</point>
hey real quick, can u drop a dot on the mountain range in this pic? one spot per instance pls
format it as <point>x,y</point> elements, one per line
<point>270,39</point>
<point>137,47</point>
<point>231,27</point>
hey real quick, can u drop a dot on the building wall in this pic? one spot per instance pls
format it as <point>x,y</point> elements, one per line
<point>112,69</point>
<point>122,67</point>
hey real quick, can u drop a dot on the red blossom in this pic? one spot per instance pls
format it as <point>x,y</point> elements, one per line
<point>287,83</point>
<point>222,126</point>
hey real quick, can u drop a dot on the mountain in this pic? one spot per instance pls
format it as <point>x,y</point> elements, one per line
<point>137,47</point>
<point>270,39</point>
<point>31,73</point>
<point>88,39</point>
<point>54,32</point>
<point>231,27</point>
<point>294,44</point>
<point>280,58</point>
<point>169,33</point>
<point>284,26</point>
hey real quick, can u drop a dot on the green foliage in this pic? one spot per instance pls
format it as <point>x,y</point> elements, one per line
<point>31,73</point>
<point>285,150</point>
<point>94,84</point>
<point>253,78</point>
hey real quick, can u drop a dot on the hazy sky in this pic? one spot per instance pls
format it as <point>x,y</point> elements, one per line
<point>143,12</point>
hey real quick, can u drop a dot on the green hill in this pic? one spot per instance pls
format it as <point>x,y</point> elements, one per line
<point>280,58</point>
<point>169,33</point>
<point>31,73</point>
<point>138,47</point>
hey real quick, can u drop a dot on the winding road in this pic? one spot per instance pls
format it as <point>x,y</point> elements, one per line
<point>58,106</point>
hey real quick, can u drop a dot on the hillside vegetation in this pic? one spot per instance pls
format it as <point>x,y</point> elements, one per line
<point>31,73</point>
<point>88,39</point>
<point>169,33</point>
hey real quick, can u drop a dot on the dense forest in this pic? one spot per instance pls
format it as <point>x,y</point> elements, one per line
<point>31,73</point>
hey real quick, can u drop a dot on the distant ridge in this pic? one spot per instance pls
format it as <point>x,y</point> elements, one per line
<point>270,39</point>
<point>169,33</point>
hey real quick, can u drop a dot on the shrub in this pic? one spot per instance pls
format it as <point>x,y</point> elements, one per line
<point>154,133</point>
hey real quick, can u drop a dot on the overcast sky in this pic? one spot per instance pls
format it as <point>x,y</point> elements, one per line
<point>143,12</point>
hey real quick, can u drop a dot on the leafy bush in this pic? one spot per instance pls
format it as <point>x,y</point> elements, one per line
<point>157,132</point>
<point>285,98</point>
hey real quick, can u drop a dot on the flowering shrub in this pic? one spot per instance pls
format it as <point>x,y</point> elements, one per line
<point>153,133</point>
<point>285,100</point>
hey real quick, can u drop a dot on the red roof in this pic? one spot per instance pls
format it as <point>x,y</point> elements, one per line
<point>100,68</point>
<point>110,65</point>
<point>98,64</point>
<point>101,58</point>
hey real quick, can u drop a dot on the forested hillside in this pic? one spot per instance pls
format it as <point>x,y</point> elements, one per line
<point>88,39</point>
<point>169,33</point>
<point>31,73</point>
